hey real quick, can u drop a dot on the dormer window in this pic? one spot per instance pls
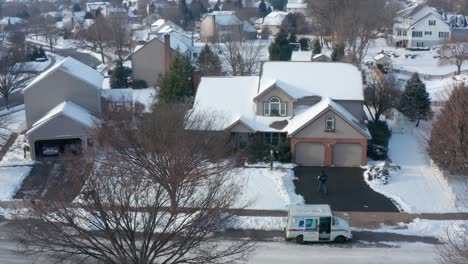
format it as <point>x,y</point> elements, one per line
<point>274,107</point>
<point>330,124</point>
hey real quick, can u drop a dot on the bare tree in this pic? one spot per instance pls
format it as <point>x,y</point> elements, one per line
<point>243,57</point>
<point>450,152</point>
<point>48,29</point>
<point>352,23</point>
<point>120,41</point>
<point>454,52</point>
<point>97,36</point>
<point>12,72</point>
<point>381,95</point>
<point>154,196</point>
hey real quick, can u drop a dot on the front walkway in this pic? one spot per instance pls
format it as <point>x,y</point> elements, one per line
<point>347,190</point>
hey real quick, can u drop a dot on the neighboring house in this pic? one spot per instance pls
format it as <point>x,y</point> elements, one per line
<point>297,6</point>
<point>73,21</point>
<point>321,58</point>
<point>163,26</point>
<point>299,103</point>
<point>223,26</point>
<point>152,60</point>
<point>382,59</point>
<point>422,26</point>
<point>117,14</point>
<point>95,7</point>
<point>272,21</point>
<point>61,106</point>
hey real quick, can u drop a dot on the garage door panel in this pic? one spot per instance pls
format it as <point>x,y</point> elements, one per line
<point>347,155</point>
<point>309,154</point>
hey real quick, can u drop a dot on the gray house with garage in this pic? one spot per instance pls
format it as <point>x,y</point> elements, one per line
<point>62,106</point>
<point>316,107</point>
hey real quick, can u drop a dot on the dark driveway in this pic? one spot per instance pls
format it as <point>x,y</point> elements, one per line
<point>347,190</point>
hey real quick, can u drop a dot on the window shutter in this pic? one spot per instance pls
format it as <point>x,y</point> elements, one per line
<point>266,109</point>
<point>283,109</point>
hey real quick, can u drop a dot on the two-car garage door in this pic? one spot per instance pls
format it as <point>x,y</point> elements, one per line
<point>343,154</point>
<point>310,154</point>
<point>347,155</point>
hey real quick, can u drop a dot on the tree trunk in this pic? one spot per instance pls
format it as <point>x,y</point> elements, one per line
<point>102,53</point>
<point>5,97</point>
<point>417,123</point>
<point>458,69</point>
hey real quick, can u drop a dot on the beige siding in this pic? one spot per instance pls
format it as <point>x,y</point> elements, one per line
<point>356,108</point>
<point>207,29</point>
<point>275,93</point>
<point>148,62</point>
<point>240,128</point>
<point>309,154</point>
<point>58,128</point>
<point>316,129</point>
<point>347,155</point>
<point>56,88</point>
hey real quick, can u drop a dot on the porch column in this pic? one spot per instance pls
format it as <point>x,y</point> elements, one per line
<point>364,152</point>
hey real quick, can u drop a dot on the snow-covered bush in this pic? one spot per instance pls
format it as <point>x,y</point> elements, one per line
<point>379,172</point>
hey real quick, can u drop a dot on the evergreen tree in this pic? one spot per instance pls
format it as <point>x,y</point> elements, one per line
<point>415,102</point>
<point>304,43</point>
<point>338,52</point>
<point>280,49</point>
<point>217,6</point>
<point>76,8</point>
<point>279,4</point>
<point>209,62</point>
<point>262,9</point>
<point>270,10</point>
<point>292,38</point>
<point>177,84</point>
<point>119,77</point>
<point>317,47</point>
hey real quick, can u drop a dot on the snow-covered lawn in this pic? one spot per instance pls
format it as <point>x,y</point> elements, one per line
<point>418,187</point>
<point>424,62</point>
<point>266,189</point>
<point>15,155</point>
<point>11,179</point>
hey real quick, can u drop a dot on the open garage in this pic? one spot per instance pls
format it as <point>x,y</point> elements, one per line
<point>347,155</point>
<point>47,147</point>
<point>310,154</point>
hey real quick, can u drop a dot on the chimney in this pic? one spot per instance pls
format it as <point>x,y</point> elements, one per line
<point>167,53</point>
<point>196,80</point>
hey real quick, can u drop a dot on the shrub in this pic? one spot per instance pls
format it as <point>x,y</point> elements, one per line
<point>139,84</point>
<point>283,152</point>
<point>378,146</point>
<point>256,151</point>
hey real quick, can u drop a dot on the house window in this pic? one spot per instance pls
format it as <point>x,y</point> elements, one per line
<point>420,44</point>
<point>329,124</point>
<point>417,34</point>
<point>274,138</point>
<point>432,22</point>
<point>444,34</point>
<point>274,108</point>
<point>428,33</point>
<point>401,32</point>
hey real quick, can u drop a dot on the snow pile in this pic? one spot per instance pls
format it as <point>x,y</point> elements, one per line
<point>424,227</point>
<point>10,180</point>
<point>379,172</point>
<point>258,223</point>
<point>266,189</point>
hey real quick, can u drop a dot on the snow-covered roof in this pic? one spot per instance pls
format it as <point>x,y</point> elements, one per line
<point>310,210</point>
<point>234,98</point>
<point>379,56</point>
<point>95,5</point>
<point>74,68</point>
<point>11,21</point>
<point>301,55</point>
<point>339,81</point>
<point>296,6</point>
<point>118,95</point>
<point>246,27</point>
<point>225,18</point>
<point>275,18</point>
<point>70,110</point>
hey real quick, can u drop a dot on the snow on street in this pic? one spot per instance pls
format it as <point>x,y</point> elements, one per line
<point>282,252</point>
<point>419,187</point>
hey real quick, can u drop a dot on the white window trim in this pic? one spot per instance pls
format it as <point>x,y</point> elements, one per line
<point>282,107</point>
<point>330,118</point>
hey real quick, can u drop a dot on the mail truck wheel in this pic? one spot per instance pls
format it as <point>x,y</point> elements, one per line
<point>340,239</point>
<point>300,239</point>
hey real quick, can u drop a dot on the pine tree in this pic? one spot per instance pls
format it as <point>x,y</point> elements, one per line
<point>177,84</point>
<point>415,102</point>
<point>262,9</point>
<point>304,43</point>
<point>338,53</point>
<point>209,62</point>
<point>216,6</point>
<point>317,47</point>
<point>292,38</point>
<point>119,77</point>
<point>280,49</point>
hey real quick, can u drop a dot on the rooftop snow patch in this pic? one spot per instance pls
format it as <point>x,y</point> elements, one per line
<point>118,95</point>
<point>339,81</point>
<point>74,68</point>
<point>70,110</point>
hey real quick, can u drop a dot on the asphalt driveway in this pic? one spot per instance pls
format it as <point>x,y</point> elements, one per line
<point>347,190</point>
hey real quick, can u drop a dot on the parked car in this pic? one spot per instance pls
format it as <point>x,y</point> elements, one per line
<point>50,150</point>
<point>315,223</point>
<point>41,59</point>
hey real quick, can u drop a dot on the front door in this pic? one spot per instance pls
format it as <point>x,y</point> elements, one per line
<point>324,228</point>
<point>311,229</point>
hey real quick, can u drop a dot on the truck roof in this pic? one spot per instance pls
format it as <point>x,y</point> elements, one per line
<point>310,210</point>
